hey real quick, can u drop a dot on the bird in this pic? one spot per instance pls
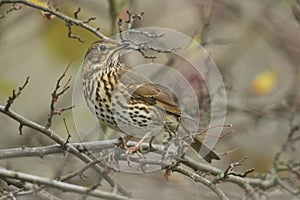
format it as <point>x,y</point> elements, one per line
<point>127,102</point>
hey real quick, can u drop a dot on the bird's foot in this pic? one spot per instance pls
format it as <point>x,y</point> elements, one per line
<point>112,158</point>
<point>131,151</point>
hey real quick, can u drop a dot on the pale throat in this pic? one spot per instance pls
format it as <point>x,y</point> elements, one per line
<point>114,63</point>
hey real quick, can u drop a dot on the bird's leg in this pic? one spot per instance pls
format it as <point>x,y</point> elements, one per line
<point>126,140</point>
<point>150,144</point>
<point>130,150</point>
<point>120,145</point>
<point>135,149</point>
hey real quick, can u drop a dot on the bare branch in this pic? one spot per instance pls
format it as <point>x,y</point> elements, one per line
<point>60,185</point>
<point>132,17</point>
<point>80,171</point>
<point>70,34</point>
<point>73,150</point>
<point>14,95</point>
<point>246,183</point>
<point>54,149</point>
<point>230,171</point>
<point>202,180</point>
<point>56,94</point>
<point>25,188</point>
<point>76,13</point>
<point>141,47</point>
<point>284,174</point>
<point>55,12</point>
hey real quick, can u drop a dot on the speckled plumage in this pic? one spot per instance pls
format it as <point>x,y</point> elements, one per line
<point>124,100</point>
<point>117,107</point>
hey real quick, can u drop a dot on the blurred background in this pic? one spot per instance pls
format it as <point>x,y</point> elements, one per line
<point>255,44</point>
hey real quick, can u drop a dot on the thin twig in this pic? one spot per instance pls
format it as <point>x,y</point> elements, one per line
<point>230,171</point>
<point>70,34</point>
<point>68,137</point>
<point>56,94</point>
<point>79,172</point>
<point>132,17</point>
<point>120,23</point>
<point>141,47</point>
<point>77,12</point>
<point>12,8</point>
<point>14,95</point>
<point>89,20</point>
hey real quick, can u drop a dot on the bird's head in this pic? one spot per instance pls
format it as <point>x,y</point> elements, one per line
<point>102,55</point>
<point>104,51</point>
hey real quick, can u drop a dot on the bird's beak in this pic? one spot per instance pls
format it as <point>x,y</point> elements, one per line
<point>123,45</point>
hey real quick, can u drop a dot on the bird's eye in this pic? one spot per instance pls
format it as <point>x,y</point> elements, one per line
<point>102,47</point>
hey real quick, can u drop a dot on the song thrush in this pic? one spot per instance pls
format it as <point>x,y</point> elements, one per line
<point>137,105</point>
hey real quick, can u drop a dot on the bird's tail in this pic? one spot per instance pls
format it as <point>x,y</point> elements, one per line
<point>188,124</point>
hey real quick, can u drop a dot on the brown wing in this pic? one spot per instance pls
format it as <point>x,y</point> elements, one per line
<point>142,88</point>
<point>158,95</point>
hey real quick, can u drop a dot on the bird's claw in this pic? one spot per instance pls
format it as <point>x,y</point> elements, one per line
<point>131,151</point>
